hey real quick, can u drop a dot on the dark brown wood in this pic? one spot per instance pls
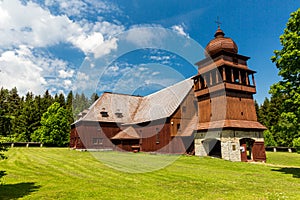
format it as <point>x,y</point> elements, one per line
<point>258,151</point>
<point>243,152</point>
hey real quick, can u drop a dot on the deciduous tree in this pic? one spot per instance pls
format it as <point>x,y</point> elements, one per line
<point>54,129</point>
<point>287,60</point>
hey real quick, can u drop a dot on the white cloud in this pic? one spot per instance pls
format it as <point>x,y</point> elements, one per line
<point>160,58</point>
<point>19,71</point>
<point>105,48</point>
<point>87,43</point>
<point>65,74</point>
<point>78,8</point>
<point>37,27</point>
<point>82,76</point>
<point>146,37</point>
<point>155,73</point>
<point>67,83</point>
<point>180,30</point>
<point>28,29</point>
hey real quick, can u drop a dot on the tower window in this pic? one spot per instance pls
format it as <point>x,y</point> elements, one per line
<point>233,147</point>
<point>242,113</point>
<point>235,60</point>
<point>178,127</point>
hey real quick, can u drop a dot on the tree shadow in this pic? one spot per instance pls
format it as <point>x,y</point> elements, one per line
<point>2,173</point>
<point>289,170</point>
<point>16,191</point>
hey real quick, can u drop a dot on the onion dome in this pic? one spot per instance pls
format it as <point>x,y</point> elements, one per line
<point>220,43</point>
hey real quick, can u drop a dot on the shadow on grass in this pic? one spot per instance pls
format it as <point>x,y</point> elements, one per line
<point>289,170</point>
<point>16,191</point>
<point>2,173</point>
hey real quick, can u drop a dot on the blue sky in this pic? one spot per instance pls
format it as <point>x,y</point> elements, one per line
<point>45,44</point>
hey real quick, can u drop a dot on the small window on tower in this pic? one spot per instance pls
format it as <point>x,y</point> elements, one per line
<point>184,109</point>
<point>178,127</point>
<point>235,60</point>
<point>233,147</point>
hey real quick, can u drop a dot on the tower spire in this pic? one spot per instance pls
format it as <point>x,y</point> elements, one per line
<point>218,22</point>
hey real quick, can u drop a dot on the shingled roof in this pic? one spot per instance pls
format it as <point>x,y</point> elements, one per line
<point>128,109</point>
<point>111,107</point>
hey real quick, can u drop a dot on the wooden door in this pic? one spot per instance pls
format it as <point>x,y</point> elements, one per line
<point>244,152</point>
<point>258,151</point>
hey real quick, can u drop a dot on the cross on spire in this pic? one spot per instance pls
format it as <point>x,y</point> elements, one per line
<point>218,22</point>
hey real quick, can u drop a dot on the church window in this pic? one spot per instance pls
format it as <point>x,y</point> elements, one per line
<point>183,109</point>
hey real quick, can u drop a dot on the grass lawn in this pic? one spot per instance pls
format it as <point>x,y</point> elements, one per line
<point>53,173</point>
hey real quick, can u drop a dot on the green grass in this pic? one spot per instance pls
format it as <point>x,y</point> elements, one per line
<point>283,158</point>
<point>53,173</point>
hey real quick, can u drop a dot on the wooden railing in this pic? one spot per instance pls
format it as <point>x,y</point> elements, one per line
<point>22,144</point>
<point>281,149</point>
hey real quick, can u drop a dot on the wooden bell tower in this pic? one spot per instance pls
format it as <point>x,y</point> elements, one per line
<point>224,87</point>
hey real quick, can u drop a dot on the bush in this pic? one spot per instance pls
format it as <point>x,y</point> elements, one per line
<point>296,144</point>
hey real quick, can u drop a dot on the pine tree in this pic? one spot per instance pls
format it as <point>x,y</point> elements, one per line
<point>46,101</point>
<point>69,107</point>
<point>93,98</point>
<point>5,117</point>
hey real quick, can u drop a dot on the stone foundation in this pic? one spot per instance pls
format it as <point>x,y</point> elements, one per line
<point>230,142</point>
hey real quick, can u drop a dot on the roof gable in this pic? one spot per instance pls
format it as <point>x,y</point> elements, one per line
<point>128,133</point>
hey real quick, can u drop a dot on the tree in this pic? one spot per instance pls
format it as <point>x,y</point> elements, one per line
<point>5,117</point>
<point>54,129</point>
<point>69,107</point>
<point>93,98</point>
<point>46,101</point>
<point>287,60</point>
<point>2,149</point>
<point>28,119</point>
<point>15,103</point>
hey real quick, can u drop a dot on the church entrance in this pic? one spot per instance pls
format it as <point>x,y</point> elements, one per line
<point>246,145</point>
<point>212,147</point>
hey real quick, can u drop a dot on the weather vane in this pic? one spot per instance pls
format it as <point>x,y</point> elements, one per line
<point>218,22</point>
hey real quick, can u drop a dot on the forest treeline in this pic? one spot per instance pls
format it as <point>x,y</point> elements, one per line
<point>26,118</point>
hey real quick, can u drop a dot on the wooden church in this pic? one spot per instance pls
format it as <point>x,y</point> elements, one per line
<point>210,114</point>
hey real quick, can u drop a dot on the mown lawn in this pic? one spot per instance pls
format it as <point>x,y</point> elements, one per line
<point>53,173</point>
